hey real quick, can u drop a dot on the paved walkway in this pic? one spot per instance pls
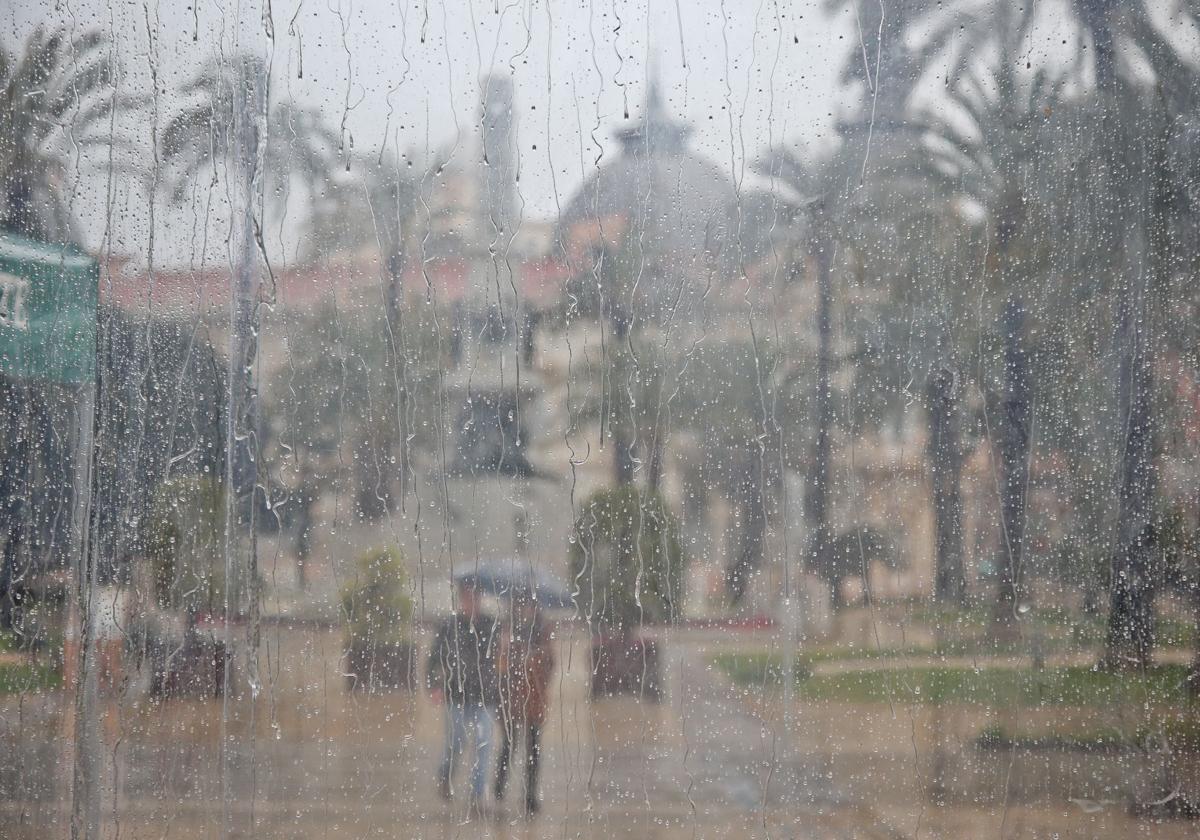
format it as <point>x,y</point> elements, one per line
<point>305,759</point>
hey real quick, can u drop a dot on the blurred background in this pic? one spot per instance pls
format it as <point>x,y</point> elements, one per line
<point>834,364</point>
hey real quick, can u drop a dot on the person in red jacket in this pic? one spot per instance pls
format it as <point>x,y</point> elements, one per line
<point>525,664</point>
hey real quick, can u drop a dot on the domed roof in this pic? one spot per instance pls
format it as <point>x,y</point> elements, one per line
<point>673,208</point>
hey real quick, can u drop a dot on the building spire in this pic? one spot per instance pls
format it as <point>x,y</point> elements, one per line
<point>499,166</point>
<point>657,132</point>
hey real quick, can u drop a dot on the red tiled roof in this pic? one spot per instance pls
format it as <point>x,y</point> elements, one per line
<point>187,293</point>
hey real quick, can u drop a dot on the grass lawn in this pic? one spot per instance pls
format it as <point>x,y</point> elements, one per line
<point>26,677</point>
<point>1179,734</point>
<point>1063,686</point>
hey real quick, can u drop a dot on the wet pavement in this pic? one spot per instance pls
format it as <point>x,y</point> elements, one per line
<point>309,759</point>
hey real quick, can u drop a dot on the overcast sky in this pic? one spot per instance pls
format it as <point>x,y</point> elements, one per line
<point>745,73</point>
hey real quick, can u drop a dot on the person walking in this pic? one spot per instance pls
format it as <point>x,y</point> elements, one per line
<point>461,674</point>
<point>526,662</point>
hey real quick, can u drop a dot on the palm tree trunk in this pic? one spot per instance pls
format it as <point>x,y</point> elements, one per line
<point>20,210</point>
<point>654,471</point>
<point>818,495</point>
<point>1193,677</point>
<point>395,314</point>
<point>1014,461</point>
<point>945,458</point>
<point>749,540</point>
<point>1130,637</point>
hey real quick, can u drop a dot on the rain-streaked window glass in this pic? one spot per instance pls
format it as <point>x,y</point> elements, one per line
<point>600,419</point>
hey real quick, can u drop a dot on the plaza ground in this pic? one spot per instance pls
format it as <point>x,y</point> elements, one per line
<point>308,759</point>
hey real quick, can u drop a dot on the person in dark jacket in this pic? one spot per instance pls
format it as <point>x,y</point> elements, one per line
<point>461,674</point>
<point>526,662</point>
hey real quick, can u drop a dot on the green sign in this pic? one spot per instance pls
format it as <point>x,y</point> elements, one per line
<point>48,299</point>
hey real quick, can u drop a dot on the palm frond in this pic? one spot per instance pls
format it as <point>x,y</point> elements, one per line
<point>54,91</point>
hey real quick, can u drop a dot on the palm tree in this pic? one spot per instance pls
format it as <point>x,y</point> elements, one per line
<point>1122,125</point>
<point>56,96</point>
<point>742,415</point>
<point>1138,142</point>
<point>863,204</point>
<point>986,143</point>
<point>376,208</point>
<point>227,127</point>
<point>946,461</point>
<point>1026,148</point>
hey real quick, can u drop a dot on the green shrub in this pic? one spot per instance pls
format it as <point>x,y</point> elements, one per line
<point>376,602</point>
<point>997,687</point>
<point>29,677</point>
<point>1002,687</point>
<point>759,668</point>
<point>185,543</point>
<point>626,559</point>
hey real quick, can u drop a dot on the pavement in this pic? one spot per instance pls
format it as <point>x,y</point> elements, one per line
<point>304,758</point>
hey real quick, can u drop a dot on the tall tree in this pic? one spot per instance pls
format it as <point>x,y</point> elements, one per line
<point>202,138</point>
<point>817,498</point>
<point>374,206</point>
<point>945,461</point>
<point>1118,126</point>
<point>228,128</point>
<point>1014,447</point>
<point>989,134</point>
<point>161,394</point>
<point>1136,146</point>
<point>56,96</point>
<point>744,414</point>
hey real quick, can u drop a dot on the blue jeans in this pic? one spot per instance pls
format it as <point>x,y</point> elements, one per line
<point>461,720</point>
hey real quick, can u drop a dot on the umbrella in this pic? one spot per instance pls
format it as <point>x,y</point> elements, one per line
<point>511,578</point>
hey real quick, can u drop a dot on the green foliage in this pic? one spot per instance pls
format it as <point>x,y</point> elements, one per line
<point>198,137</point>
<point>377,208</point>
<point>161,404</point>
<point>185,542</point>
<point>57,79</point>
<point>1095,740</point>
<point>999,687</point>
<point>852,552</point>
<point>376,602</point>
<point>626,559</point>
<point>26,677</point>
<point>351,379</point>
<point>1176,734</point>
<point>757,668</point>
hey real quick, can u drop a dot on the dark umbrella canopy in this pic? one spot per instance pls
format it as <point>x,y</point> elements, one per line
<point>513,578</point>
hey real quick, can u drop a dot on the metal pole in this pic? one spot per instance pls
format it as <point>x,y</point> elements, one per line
<point>818,498</point>
<point>241,571</point>
<point>791,631</point>
<point>86,783</point>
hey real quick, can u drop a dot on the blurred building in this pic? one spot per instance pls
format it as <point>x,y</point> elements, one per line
<point>656,244</point>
